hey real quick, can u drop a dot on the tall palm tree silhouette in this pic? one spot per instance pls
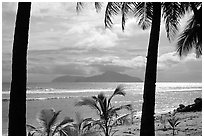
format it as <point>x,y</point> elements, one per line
<point>17,105</point>
<point>150,14</point>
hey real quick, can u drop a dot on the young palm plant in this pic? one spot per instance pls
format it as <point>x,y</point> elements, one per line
<point>173,121</point>
<point>108,113</point>
<point>48,118</point>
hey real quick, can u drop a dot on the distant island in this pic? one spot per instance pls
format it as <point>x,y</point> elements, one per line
<point>108,76</point>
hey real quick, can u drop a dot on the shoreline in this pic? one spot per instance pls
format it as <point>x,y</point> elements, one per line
<point>191,122</point>
<point>190,125</point>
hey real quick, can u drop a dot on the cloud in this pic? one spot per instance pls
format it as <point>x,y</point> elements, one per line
<point>97,38</point>
<point>9,6</point>
<point>136,63</point>
<point>53,9</point>
<point>169,60</point>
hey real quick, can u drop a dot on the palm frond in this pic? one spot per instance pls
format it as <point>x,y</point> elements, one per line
<point>118,91</point>
<point>87,122</point>
<point>112,8</point>
<point>69,131</point>
<point>30,127</point>
<point>31,130</point>
<point>121,118</point>
<point>102,100</point>
<point>98,6</point>
<point>79,6</point>
<point>191,37</point>
<point>63,133</point>
<point>45,116</point>
<point>114,111</point>
<point>114,131</point>
<point>126,7</point>
<point>99,123</point>
<point>54,118</point>
<point>144,11</point>
<point>79,119</point>
<point>172,13</point>
<point>66,120</point>
<point>89,102</point>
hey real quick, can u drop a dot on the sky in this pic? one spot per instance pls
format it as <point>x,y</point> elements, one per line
<point>64,42</point>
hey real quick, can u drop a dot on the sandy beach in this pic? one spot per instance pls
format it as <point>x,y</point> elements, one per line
<point>190,122</point>
<point>190,125</point>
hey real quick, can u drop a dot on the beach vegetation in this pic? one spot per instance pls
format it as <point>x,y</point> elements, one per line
<point>173,121</point>
<point>82,127</point>
<point>107,112</point>
<point>67,127</point>
<point>132,112</point>
<point>48,124</point>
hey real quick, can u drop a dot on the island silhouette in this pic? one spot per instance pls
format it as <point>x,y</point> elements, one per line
<point>108,76</point>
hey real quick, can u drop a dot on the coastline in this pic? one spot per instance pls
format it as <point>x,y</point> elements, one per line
<point>191,122</point>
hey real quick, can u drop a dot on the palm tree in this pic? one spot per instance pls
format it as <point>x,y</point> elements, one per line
<point>149,14</point>
<point>17,105</point>
<point>49,126</point>
<point>108,113</point>
<point>191,37</point>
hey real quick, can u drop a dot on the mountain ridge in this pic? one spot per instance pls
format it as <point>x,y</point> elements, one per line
<point>108,76</point>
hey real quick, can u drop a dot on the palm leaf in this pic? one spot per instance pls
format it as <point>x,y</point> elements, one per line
<point>98,6</point>
<point>54,118</point>
<point>113,111</point>
<point>69,131</point>
<point>45,117</point>
<point>112,8</point>
<point>170,122</point>
<point>63,133</point>
<point>30,127</point>
<point>89,102</point>
<point>123,117</point>
<point>65,121</point>
<point>126,7</point>
<point>177,123</point>
<point>191,37</point>
<point>118,91</point>
<point>79,6</point>
<point>79,119</point>
<point>143,11</point>
<point>172,13</point>
<point>114,132</point>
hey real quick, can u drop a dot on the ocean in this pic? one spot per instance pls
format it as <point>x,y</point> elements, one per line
<point>64,96</point>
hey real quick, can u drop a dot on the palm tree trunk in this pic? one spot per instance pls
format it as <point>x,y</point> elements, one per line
<point>17,105</point>
<point>147,120</point>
